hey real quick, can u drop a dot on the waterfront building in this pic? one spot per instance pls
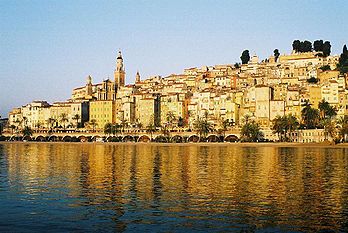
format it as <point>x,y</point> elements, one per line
<point>102,112</point>
<point>261,90</point>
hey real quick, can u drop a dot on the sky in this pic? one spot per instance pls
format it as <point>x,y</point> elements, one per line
<point>48,47</point>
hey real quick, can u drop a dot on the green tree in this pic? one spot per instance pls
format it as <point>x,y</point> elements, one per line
<point>27,131</point>
<point>329,128</point>
<point>203,127</point>
<point>276,54</point>
<point>93,123</point>
<point>326,48</point>
<point>165,130</point>
<point>278,127</point>
<point>151,128</point>
<point>251,132</point>
<point>38,126</point>
<point>12,127</point>
<point>291,125</point>
<point>124,123</point>
<point>245,57</point>
<point>76,118</point>
<point>225,124</point>
<point>312,80</point>
<point>63,119</point>
<point>108,128</point>
<point>296,45</point>
<point>181,122</point>
<point>342,124</point>
<point>325,68</point>
<point>171,120</point>
<point>310,116</point>
<point>51,122</point>
<point>343,61</point>
<point>318,45</point>
<point>306,46</point>
<point>284,126</point>
<point>116,128</point>
<point>326,110</point>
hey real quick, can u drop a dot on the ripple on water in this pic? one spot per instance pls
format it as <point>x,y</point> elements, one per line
<point>137,188</point>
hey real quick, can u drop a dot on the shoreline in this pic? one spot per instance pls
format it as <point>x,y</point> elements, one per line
<point>238,144</point>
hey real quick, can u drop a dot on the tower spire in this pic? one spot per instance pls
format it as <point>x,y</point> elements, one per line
<point>137,77</point>
<point>119,71</point>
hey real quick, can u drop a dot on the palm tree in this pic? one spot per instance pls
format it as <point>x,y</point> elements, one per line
<point>291,125</point>
<point>203,127</point>
<point>329,129</point>
<point>123,124</point>
<point>171,118</point>
<point>24,121</point>
<point>18,123</point>
<point>12,127</point>
<point>326,110</point>
<point>64,119</point>
<point>251,132</point>
<point>27,131</point>
<point>165,130</point>
<point>279,127</point>
<point>108,128</point>
<point>225,125</point>
<point>283,126</point>
<point>181,122</point>
<point>343,127</point>
<point>151,128</point>
<point>310,116</point>
<point>116,128</point>
<point>76,117</point>
<point>93,123</point>
<point>38,125</point>
<point>51,122</point>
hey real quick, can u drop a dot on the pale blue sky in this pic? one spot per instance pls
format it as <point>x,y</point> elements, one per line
<point>47,48</point>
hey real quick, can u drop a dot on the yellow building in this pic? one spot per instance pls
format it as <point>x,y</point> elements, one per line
<point>175,104</point>
<point>315,95</point>
<point>147,111</point>
<point>103,112</point>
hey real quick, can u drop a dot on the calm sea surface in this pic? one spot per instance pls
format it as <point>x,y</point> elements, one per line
<point>170,188</point>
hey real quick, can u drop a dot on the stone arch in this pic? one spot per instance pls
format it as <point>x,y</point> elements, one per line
<point>193,138</point>
<point>212,138</point>
<point>52,138</point>
<point>177,139</point>
<point>144,138</point>
<point>231,138</point>
<point>128,138</point>
<point>67,138</point>
<point>113,139</point>
<point>75,139</point>
<point>161,138</point>
<point>97,138</point>
<point>40,138</point>
<point>13,138</point>
<point>82,138</point>
<point>26,138</point>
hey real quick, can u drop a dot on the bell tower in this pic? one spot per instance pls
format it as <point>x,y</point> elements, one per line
<point>119,71</point>
<point>137,77</point>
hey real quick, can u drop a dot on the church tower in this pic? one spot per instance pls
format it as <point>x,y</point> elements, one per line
<point>89,90</point>
<point>119,71</point>
<point>137,77</point>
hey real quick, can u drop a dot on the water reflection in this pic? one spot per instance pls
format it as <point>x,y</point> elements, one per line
<point>146,187</point>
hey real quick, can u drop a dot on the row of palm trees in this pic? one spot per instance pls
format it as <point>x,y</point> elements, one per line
<point>51,122</point>
<point>312,118</point>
